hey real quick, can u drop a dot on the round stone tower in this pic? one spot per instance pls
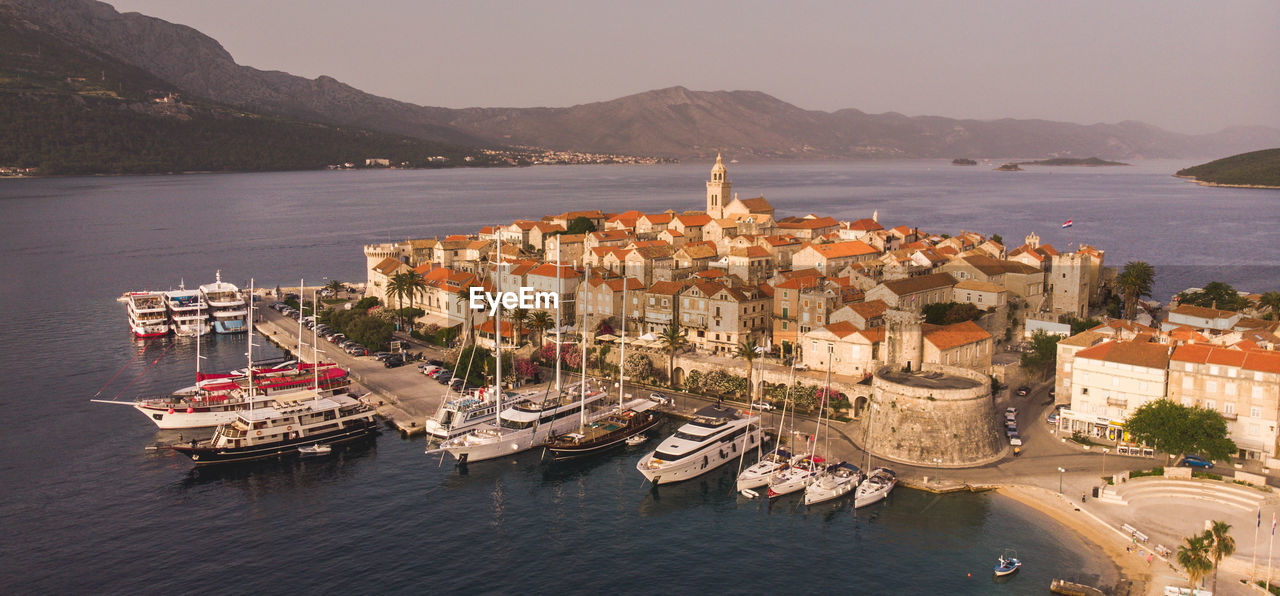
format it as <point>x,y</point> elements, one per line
<point>941,416</point>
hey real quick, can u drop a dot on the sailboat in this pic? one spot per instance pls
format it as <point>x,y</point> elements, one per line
<point>808,464</point>
<point>835,480</point>
<point>616,426</point>
<point>757,475</point>
<point>526,424</point>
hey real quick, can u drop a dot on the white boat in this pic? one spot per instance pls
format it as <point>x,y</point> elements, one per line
<point>796,476</point>
<point>637,440</point>
<point>314,450</point>
<point>1007,564</point>
<point>187,313</point>
<point>836,481</point>
<point>757,475</point>
<point>714,436</point>
<point>530,423</point>
<point>147,314</point>
<point>875,488</point>
<point>226,306</point>
<point>464,414</point>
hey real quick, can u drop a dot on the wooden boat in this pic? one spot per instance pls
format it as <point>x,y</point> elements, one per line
<point>1007,564</point>
<point>611,431</point>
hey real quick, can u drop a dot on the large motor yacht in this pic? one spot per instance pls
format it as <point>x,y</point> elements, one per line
<point>715,435</point>
<point>188,313</point>
<point>226,306</point>
<point>147,315</point>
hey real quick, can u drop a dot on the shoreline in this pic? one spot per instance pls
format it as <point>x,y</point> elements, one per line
<point>1051,505</point>
<point>1225,185</point>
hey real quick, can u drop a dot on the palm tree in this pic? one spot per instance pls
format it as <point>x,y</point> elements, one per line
<point>749,350</point>
<point>518,317</point>
<point>334,286</point>
<point>1221,546</point>
<point>1271,302</point>
<point>1193,556</point>
<point>672,337</point>
<point>1135,282</point>
<point>405,285</point>
<point>541,321</point>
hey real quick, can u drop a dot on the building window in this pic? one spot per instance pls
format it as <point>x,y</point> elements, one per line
<point>1255,412</point>
<point>1188,383</point>
<point>1209,404</point>
<point>1229,409</point>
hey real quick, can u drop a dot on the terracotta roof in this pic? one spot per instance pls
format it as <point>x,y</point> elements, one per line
<point>780,240</point>
<point>851,248</point>
<point>756,205</point>
<point>865,224</point>
<point>549,270</point>
<point>672,232</point>
<point>632,284</point>
<point>956,335</point>
<point>698,220</point>
<point>524,225</point>
<point>1084,339</point>
<point>750,252</point>
<point>388,265</point>
<point>979,286</point>
<point>1144,354</point>
<point>807,224</point>
<point>799,283</point>
<point>841,329</point>
<point>991,266</point>
<point>922,283</point>
<point>608,235</point>
<point>1192,310</point>
<point>654,252</point>
<point>545,228</point>
<point>666,288</point>
<point>869,309</point>
<point>874,335</point>
<point>710,273</point>
<point>657,218</point>
<point>695,250</point>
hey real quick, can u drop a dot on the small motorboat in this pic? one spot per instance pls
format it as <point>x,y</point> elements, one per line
<point>638,439</point>
<point>315,450</point>
<point>1007,564</point>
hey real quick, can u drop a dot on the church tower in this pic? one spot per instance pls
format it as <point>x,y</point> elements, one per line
<point>718,188</point>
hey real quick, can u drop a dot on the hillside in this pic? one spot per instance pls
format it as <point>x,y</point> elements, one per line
<point>672,122</point>
<point>1088,162</point>
<point>66,110</point>
<point>1256,168</point>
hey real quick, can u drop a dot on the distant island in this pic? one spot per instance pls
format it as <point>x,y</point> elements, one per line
<point>963,161</point>
<point>1072,161</point>
<point>1009,167</point>
<point>1255,169</point>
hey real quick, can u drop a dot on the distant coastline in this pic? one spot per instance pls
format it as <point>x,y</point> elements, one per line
<point>1256,169</point>
<point>1087,162</point>
<point>1225,185</point>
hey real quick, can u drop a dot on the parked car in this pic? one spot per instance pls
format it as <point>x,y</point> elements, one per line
<point>1023,391</point>
<point>394,361</point>
<point>429,369</point>
<point>1015,441</point>
<point>1196,461</point>
<point>763,405</point>
<point>381,355</point>
<point>1053,418</point>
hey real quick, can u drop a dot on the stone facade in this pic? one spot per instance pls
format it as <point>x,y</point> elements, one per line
<point>941,416</point>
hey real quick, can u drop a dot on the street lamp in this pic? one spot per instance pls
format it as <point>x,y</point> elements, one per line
<point>937,463</point>
<point>1060,473</point>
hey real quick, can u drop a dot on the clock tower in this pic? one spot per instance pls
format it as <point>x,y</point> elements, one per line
<point>718,188</point>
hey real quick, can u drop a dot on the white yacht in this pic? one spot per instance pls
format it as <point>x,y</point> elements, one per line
<point>529,423</point>
<point>834,482</point>
<point>466,413</point>
<point>188,313</point>
<point>875,488</point>
<point>757,475</point>
<point>147,315</point>
<point>715,435</point>
<point>226,306</point>
<point>796,476</point>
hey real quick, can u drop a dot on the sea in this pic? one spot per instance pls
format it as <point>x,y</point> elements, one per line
<point>87,508</point>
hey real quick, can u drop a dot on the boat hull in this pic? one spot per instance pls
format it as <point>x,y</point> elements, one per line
<point>182,419</point>
<point>509,442</point>
<point>871,498</point>
<point>603,443</point>
<point>204,456</point>
<point>699,462</point>
<point>229,327</point>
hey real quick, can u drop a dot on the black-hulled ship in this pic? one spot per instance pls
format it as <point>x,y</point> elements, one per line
<point>294,420</point>
<point>606,433</point>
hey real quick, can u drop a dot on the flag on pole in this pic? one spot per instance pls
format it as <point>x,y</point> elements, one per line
<point>1066,224</point>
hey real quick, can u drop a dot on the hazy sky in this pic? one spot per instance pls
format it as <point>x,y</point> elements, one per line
<point>1189,66</point>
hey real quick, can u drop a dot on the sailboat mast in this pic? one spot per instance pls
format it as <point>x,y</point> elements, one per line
<point>302,297</point>
<point>497,334</point>
<point>315,345</point>
<point>559,298</point>
<point>582,385</point>
<point>252,388</point>
<point>622,356</point>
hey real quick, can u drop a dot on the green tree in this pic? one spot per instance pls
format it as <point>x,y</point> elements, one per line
<point>334,286</point>
<point>673,340</point>
<point>1134,283</point>
<point>1177,429</point>
<point>998,239</point>
<point>1221,546</point>
<point>540,321</point>
<point>1215,294</point>
<point>1079,325</point>
<point>405,285</point>
<point>519,317</point>
<point>748,350</point>
<point>581,225</point>
<point>1043,354</point>
<point>1271,303</point>
<point>1193,556</point>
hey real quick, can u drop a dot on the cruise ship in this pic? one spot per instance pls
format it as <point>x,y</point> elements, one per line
<point>226,306</point>
<point>147,314</point>
<point>299,419</point>
<point>715,435</point>
<point>188,314</point>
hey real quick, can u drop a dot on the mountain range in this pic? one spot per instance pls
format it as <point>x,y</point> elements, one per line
<point>673,122</point>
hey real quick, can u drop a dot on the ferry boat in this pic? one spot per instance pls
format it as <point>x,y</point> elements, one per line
<point>875,488</point>
<point>187,312</point>
<point>529,423</point>
<point>715,435</point>
<point>296,420</point>
<point>226,306</point>
<point>147,314</point>
<point>613,430</point>
<point>464,414</point>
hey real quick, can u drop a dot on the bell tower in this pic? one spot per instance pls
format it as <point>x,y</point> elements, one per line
<point>718,189</point>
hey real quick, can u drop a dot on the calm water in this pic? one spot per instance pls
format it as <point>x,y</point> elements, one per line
<point>85,508</point>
